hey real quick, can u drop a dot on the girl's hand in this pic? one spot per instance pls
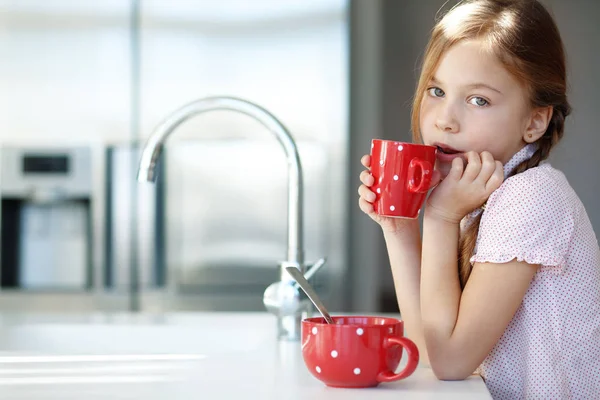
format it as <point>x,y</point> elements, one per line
<point>465,188</point>
<point>367,197</point>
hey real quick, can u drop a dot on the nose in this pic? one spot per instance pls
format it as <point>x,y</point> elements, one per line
<point>446,119</point>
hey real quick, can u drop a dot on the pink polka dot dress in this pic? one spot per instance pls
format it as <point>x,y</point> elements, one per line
<point>551,348</point>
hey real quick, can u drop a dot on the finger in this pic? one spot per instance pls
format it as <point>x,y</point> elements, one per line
<point>456,170</point>
<point>367,178</point>
<point>365,206</point>
<point>488,166</point>
<point>496,179</point>
<point>366,160</point>
<point>473,166</point>
<point>366,193</point>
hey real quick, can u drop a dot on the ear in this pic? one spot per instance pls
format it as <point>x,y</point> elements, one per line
<point>538,123</point>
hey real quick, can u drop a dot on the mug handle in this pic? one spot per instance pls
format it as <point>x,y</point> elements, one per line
<point>425,178</point>
<point>413,359</point>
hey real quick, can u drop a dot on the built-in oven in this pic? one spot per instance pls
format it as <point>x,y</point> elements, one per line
<point>46,218</point>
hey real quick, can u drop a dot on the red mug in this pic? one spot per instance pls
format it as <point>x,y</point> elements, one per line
<point>356,351</point>
<point>402,173</point>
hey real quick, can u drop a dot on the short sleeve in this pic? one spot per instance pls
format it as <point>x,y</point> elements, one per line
<point>529,218</point>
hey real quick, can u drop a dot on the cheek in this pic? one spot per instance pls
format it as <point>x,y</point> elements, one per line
<point>426,121</point>
<point>490,130</point>
<point>502,121</point>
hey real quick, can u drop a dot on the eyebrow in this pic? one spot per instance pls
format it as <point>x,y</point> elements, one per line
<point>475,85</point>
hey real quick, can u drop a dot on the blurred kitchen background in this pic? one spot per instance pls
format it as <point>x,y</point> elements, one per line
<point>84,82</point>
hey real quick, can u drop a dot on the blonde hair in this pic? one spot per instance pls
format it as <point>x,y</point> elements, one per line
<point>524,37</point>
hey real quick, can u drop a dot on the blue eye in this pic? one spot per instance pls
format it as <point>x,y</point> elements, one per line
<point>436,92</point>
<point>479,101</point>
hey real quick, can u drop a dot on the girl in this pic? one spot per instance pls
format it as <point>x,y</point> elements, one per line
<point>506,279</point>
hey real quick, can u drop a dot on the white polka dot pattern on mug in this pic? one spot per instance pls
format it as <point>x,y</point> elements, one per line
<point>314,330</point>
<point>392,208</point>
<point>400,148</point>
<point>551,347</point>
<point>335,354</point>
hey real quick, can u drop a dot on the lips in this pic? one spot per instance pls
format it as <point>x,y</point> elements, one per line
<point>446,153</point>
<point>446,149</point>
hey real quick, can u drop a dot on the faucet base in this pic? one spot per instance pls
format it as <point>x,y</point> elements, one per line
<point>289,327</point>
<point>288,302</point>
<point>290,306</point>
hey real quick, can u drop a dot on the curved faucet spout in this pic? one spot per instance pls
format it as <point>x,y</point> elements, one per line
<point>153,148</point>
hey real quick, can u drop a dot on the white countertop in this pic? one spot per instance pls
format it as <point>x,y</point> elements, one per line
<point>177,356</point>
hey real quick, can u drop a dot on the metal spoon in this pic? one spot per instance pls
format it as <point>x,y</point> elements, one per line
<point>312,295</point>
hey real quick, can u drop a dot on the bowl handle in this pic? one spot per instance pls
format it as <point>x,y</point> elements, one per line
<point>413,359</point>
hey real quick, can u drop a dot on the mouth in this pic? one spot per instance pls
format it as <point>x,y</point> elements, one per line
<point>445,153</point>
<point>442,148</point>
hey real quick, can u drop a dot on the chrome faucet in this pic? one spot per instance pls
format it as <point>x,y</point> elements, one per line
<point>283,298</point>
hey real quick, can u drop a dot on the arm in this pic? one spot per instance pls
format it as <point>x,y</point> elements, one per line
<point>462,327</point>
<point>404,250</point>
<point>403,242</point>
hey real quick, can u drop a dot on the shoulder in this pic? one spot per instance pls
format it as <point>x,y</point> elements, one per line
<point>531,217</point>
<point>543,189</point>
